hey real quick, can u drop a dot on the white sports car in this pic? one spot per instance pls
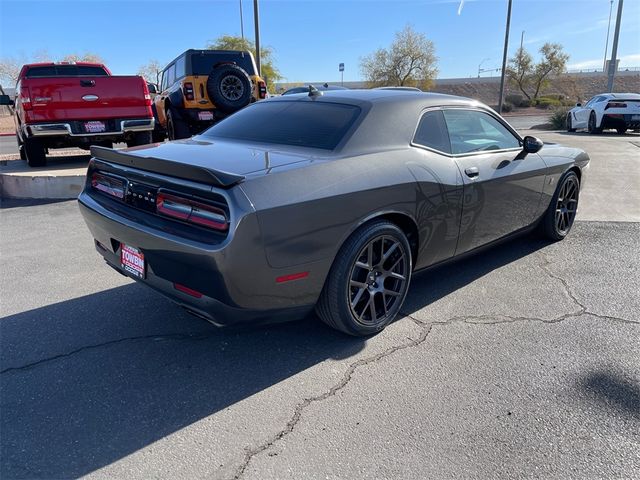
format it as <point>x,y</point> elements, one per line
<point>607,110</point>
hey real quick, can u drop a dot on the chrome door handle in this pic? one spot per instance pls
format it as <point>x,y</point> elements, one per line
<point>472,172</point>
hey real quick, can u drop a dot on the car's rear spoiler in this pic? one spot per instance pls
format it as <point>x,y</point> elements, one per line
<point>185,171</point>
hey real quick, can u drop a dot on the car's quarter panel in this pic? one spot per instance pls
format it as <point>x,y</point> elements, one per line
<point>503,197</point>
<point>230,270</point>
<point>306,214</point>
<point>559,159</point>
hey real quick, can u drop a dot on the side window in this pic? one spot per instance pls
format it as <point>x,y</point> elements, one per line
<point>170,74</point>
<point>591,102</point>
<point>180,67</point>
<point>163,83</point>
<point>476,131</point>
<point>432,132</point>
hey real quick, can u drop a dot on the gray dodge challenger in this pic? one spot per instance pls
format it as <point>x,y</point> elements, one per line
<point>327,201</point>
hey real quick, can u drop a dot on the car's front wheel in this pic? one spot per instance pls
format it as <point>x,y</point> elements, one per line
<point>368,281</point>
<point>561,213</point>
<point>592,125</point>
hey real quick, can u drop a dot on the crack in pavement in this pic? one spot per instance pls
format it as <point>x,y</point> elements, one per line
<point>426,329</point>
<point>346,378</point>
<point>168,336</point>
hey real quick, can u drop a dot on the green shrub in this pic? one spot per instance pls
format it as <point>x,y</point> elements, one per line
<point>547,102</point>
<point>507,107</point>
<point>514,99</point>
<point>525,103</point>
<point>558,118</point>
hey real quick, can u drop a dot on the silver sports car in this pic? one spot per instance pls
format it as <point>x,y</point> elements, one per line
<point>328,200</point>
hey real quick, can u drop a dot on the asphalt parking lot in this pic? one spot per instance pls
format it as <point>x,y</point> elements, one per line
<point>519,362</point>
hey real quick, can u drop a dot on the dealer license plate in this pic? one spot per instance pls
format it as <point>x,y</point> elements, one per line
<point>132,261</point>
<point>94,127</point>
<point>205,116</point>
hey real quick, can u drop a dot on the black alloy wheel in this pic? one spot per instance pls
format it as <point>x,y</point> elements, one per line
<point>562,210</point>
<point>368,281</point>
<point>592,124</point>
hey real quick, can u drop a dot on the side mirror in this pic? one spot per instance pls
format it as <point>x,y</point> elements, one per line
<point>578,104</point>
<point>153,90</point>
<point>6,100</point>
<point>531,144</point>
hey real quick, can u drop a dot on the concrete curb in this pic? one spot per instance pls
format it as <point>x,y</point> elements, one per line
<point>40,187</point>
<point>6,134</point>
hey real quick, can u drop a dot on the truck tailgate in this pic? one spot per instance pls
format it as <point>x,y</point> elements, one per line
<point>87,98</point>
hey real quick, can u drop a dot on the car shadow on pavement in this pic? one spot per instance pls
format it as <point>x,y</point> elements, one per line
<point>435,283</point>
<point>73,402</point>
<point>88,381</point>
<point>613,390</point>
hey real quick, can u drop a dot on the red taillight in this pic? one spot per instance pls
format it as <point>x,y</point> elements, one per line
<point>188,91</point>
<point>25,98</point>
<point>191,211</point>
<point>108,184</point>
<point>615,105</point>
<point>262,89</point>
<point>147,95</point>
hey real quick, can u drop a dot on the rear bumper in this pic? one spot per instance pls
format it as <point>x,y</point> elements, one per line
<point>66,129</point>
<point>631,121</point>
<point>233,279</point>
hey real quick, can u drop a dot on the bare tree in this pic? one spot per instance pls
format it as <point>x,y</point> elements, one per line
<point>9,70</point>
<point>151,71</point>
<point>533,77</point>
<point>519,71</point>
<point>554,62</point>
<point>86,57</point>
<point>409,61</point>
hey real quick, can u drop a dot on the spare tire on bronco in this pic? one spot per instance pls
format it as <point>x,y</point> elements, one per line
<point>229,87</point>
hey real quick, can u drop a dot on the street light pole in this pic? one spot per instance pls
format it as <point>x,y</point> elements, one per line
<point>504,57</point>
<point>241,23</point>
<point>614,49</point>
<point>256,20</point>
<point>606,44</point>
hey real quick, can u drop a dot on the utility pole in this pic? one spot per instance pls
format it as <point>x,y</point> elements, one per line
<point>614,49</point>
<point>504,57</point>
<point>521,40</point>
<point>606,44</point>
<point>256,20</point>
<point>242,23</point>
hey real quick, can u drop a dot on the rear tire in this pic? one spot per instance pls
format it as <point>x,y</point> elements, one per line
<point>177,128</point>
<point>34,152</point>
<point>139,138</point>
<point>561,213</point>
<point>368,281</point>
<point>621,130</point>
<point>592,124</point>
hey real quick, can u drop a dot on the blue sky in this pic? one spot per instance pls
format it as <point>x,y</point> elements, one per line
<point>311,37</point>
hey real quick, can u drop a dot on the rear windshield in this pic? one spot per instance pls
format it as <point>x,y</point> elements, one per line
<point>66,71</point>
<point>202,64</point>
<point>305,124</point>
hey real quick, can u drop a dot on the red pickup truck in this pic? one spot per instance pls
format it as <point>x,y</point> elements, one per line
<point>78,104</point>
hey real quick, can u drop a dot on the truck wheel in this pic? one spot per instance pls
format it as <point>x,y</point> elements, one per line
<point>34,152</point>
<point>139,138</point>
<point>229,88</point>
<point>176,127</point>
